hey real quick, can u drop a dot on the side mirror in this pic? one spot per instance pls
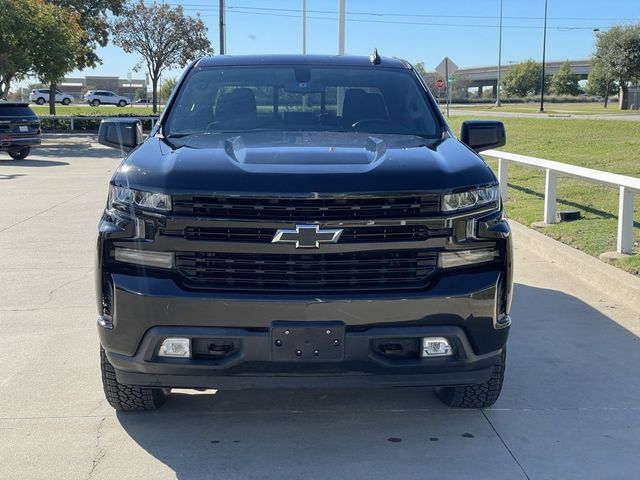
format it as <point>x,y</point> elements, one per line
<point>124,133</point>
<point>482,135</point>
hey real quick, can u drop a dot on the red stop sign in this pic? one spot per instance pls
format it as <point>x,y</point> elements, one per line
<point>440,83</point>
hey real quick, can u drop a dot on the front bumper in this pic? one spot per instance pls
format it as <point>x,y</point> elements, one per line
<point>250,366</point>
<point>459,306</point>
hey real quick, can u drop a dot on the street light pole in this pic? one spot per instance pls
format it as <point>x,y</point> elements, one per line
<point>222,29</point>
<point>544,52</point>
<point>304,27</point>
<point>499,59</point>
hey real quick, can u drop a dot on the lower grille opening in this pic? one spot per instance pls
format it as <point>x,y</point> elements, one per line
<point>339,272</point>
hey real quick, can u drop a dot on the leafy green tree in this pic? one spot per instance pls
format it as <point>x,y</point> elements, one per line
<point>37,38</point>
<point>92,17</point>
<point>522,79</point>
<point>55,46</point>
<point>163,36</point>
<point>564,81</point>
<point>17,19</point>
<point>600,83</point>
<point>166,88</point>
<point>618,51</point>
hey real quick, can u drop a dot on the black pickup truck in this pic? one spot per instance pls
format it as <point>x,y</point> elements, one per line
<point>302,221</point>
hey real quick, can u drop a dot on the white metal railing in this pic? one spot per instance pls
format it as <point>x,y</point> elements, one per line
<point>627,186</point>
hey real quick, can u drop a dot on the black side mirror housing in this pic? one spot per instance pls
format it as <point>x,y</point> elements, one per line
<point>124,133</point>
<point>482,135</point>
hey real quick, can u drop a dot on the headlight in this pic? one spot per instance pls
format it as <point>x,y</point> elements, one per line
<point>138,198</point>
<point>469,199</point>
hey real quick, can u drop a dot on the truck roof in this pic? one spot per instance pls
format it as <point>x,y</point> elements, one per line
<point>328,60</point>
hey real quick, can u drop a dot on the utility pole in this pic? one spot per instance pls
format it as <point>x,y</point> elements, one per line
<point>499,59</point>
<point>223,33</point>
<point>341,15</point>
<point>304,27</point>
<point>544,51</point>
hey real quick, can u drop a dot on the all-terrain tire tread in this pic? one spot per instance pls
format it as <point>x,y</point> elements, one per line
<point>127,397</point>
<point>476,396</point>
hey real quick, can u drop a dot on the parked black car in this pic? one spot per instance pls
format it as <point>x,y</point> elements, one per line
<point>19,129</point>
<point>302,221</point>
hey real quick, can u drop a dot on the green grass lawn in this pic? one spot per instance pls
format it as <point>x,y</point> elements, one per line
<point>587,108</point>
<point>82,111</point>
<point>608,145</point>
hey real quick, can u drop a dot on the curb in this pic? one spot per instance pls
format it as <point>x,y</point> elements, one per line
<point>617,284</point>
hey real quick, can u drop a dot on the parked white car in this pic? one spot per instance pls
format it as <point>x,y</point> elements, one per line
<point>100,97</point>
<point>41,96</point>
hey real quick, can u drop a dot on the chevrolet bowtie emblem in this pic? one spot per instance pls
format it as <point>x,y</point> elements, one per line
<point>307,236</point>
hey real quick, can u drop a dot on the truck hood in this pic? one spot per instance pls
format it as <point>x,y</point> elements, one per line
<point>300,163</point>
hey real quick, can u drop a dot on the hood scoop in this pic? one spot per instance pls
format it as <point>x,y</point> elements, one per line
<point>373,151</point>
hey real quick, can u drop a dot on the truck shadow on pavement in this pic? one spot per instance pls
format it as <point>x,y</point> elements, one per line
<point>77,150</point>
<point>569,409</point>
<point>32,162</point>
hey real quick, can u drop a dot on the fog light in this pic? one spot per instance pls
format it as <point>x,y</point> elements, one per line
<point>175,347</point>
<point>436,347</point>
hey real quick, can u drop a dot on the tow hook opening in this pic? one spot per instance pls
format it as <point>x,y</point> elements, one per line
<point>213,348</point>
<point>397,347</point>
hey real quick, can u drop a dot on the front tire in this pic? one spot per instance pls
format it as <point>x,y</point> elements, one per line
<point>95,102</point>
<point>19,154</point>
<point>40,101</point>
<point>122,103</point>
<point>476,396</point>
<point>66,101</point>
<point>128,397</point>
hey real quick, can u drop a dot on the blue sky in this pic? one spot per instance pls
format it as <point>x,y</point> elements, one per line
<point>417,30</point>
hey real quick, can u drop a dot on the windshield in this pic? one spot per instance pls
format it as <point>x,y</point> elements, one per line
<point>301,98</point>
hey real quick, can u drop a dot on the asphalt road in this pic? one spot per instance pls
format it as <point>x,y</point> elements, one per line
<point>570,408</point>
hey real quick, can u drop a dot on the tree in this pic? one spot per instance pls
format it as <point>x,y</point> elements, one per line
<point>166,88</point>
<point>55,46</point>
<point>163,36</point>
<point>618,51</point>
<point>564,81</point>
<point>36,38</point>
<point>600,83</point>
<point>428,77</point>
<point>141,94</point>
<point>92,17</point>
<point>18,18</point>
<point>523,79</point>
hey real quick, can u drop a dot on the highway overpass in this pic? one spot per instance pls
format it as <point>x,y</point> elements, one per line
<point>484,77</point>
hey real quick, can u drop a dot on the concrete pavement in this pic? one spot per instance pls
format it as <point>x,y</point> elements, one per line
<point>570,408</point>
